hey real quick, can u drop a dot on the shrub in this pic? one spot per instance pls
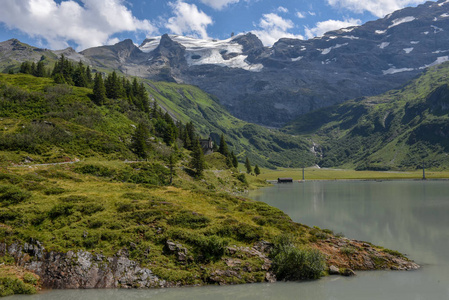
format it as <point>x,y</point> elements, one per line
<point>60,210</point>
<point>95,170</point>
<point>211,247</point>
<point>292,263</point>
<point>11,286</point>
<point>74,199</point>
<point>242,178</point>
<point>13,195</point>
<point>90,209</point>
<point>54,191</point>
<point>190,220</point>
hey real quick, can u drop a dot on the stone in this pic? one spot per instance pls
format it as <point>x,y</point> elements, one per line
<point>348,272</point>
<point>333,270</point>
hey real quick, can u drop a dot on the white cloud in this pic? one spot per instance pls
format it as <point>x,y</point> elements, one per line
<point>312,13</point>
<point>188,20</point>
<point>282,9</point>
<point>378,8</point>
<point>87,25</point>
<point>273,27</point>
<point>329,25</point>
<point>219,4</point>
<point>300,15</point>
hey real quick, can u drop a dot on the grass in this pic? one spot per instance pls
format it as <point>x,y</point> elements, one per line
<point>340,174</point>
<point>70,207</point>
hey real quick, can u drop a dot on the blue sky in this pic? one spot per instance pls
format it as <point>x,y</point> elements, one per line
<point>57,24</point>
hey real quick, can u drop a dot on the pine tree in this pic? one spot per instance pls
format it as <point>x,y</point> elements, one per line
<point>235,162</point>
<point>223,148</point>
<point>139,141</point>
<point>89,76</point>
<point>197,163</point>
<point>256,170</point>
<point>25,68</point>
<point>99,90</point>
<point>249,169</point>
<point>113,86</point>
<point>79,76</point>
<point>40,69</point>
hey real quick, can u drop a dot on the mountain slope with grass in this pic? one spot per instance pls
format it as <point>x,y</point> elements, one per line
<point>401,129</point>
<point>263,146</point>
<point>97,215</point>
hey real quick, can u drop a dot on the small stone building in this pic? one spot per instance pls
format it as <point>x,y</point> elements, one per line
<point>207,145</point>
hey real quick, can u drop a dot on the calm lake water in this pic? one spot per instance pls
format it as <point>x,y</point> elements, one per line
<point>409,216</point>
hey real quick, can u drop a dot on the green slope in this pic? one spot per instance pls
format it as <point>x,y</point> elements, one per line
<point>400,129</point>
<point>266,147</point>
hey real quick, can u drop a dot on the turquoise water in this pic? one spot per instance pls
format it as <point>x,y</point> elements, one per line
<point>409,216</point>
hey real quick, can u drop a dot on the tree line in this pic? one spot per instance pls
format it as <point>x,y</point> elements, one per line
<point>106,88</point>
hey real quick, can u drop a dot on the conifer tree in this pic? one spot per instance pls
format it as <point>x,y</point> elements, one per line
<point>89,76</point>
<point>249,169</point>
<point>223,148</point>
<point>235,162</point>
<point>99,90</point>
<point>197,163</point>
<point>139,141</point>
<point>40,69</point>
<point>256,170</point>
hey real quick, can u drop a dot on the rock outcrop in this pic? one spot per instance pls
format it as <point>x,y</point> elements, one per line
<point>81,269</point>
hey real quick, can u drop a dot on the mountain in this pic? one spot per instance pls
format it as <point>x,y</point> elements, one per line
<point>401,129</point>
<point>271,86</point>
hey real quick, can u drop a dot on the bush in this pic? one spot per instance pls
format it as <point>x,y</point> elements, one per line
<point>292,263</point>
<point>11,286</point>
<point>189,220</point>
<point>12,195</point>
<point>242,178</point>
<point>60,210</point>
<point>54,191</point>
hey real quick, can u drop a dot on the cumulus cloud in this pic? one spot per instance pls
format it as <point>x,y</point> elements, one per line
<point>329,25</point>
<point>378,8</point>
<point>188,20</point>
<point>87,25</point>
<point>219,4</point>
<point>273,27</point>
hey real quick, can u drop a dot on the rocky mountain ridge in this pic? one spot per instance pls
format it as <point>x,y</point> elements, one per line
<point>273,85</point>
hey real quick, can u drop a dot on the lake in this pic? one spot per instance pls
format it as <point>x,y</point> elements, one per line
<point>409,216</point>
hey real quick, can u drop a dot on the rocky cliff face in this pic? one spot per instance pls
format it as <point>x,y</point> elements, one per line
<point>82,269</point>
<point>271,86</point>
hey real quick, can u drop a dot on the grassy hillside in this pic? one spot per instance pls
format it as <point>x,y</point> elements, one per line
<point>397,130</point>
<point>266,147</point>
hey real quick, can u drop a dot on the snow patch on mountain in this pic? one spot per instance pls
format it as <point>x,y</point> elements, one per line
<point>297,58</point>
<point>201,52</point>
<point>328,50</point>
<point>351,37</point>
<point>397,22</point>
<point>445,15</point>
<point>414,42</point>
<point>384,45</point>
<point>380,31</point>
<point>439,61</point>
<point>442,3</point>
<point>408,50</point>
<point>393,70</point>
<point>440,51</point>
